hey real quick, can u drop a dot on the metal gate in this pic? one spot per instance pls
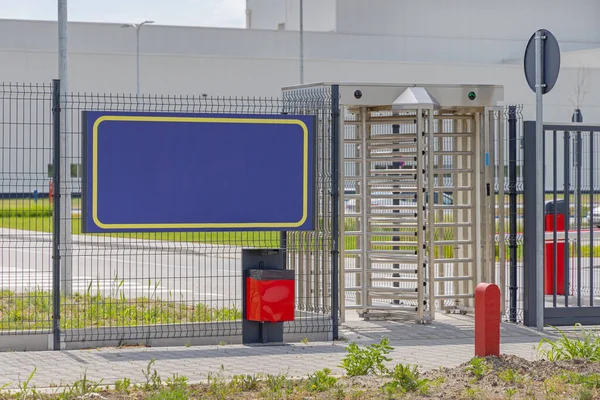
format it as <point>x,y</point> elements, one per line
<point>571,234</point>
<point>418,232</point>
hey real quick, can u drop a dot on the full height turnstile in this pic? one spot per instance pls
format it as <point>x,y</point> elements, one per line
<point>417,185</point>
<point>418,197</point>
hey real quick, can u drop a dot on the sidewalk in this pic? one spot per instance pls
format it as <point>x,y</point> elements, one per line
<point>447,342</point>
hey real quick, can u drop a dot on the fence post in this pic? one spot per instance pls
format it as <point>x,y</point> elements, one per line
<point>56,220</point>
<point>530,303</point>
<point>335,211</point>
<point>512,212</point>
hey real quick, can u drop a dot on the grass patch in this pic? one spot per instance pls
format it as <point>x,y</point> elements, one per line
<point>33,310</point>
<point>24,214</point>
<point>586,346</point>
<point>262,239</point>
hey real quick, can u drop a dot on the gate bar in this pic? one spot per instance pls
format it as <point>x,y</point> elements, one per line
<point>56,215</point>
<point>335,203</point>
<point>567,197</point>
<point>591,219</point>
<point>512,210</point>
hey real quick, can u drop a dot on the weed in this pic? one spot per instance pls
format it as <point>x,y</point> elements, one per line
<point>585,394</point>
<point>153,381</point>
<point>477,367</point>
<point>244,382</point>
<point>177,382</point>
<point>406,379</point>
<point>357,394</point>
<point>472,392</point>
<point>304,341</point>
<point>276,383</point>
<point>340,393</point>
<point>80,388</point>
<point>437,382</point>
<point>25,388</point>
<point>510,393</point>
<point>320,381</point>
<point>170,394</point>
<point>591,381</point>
<point>123,385</point>
<point>553,386</point>
<point>368,360</point>
<point>217,387</point>
<point>509,375</point>
<point>529,389</point>
<point>587,348</point>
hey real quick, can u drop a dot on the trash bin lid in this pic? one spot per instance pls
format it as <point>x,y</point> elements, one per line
<point>271,274</point>
<point>560,207</point>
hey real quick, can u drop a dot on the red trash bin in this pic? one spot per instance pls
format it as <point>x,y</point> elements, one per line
<point>270,295</point>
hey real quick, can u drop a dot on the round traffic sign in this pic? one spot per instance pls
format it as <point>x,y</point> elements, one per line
<point>550,61</point>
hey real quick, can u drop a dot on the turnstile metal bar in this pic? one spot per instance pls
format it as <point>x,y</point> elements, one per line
<point>393,270</point>
<point>455,296</point>
<point>385,270</point>
<point>394,279</point>
<point>382,307</point>
<point>452,242</point>
<point>386,146</point>
<point>453,278</point>
<point>391,290</point>
<point>452,171</point>
<point>400,172</point>
<point>453,224</point>
<point>453,260</point>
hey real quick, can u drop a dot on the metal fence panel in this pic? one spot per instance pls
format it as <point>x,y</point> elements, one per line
<point>25,210</point>
<point>131,287</point>
<point>571,251</point>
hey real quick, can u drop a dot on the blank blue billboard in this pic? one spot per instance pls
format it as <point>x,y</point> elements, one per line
<point>153,172</point>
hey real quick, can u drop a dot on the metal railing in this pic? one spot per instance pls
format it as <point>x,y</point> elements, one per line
<point>571,251</point>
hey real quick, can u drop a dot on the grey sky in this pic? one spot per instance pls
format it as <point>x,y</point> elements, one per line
<point>223,13</point>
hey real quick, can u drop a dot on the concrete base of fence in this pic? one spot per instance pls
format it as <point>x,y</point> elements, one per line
<point>160,336</point>
<point>27,342</point>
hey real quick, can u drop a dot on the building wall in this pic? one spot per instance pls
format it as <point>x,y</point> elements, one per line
<point>319,15</point>
<point>572,21</point>
<point>221,62</point>
<point>265,14</point>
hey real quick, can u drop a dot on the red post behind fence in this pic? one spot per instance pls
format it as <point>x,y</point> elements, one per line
<point>550,247</point>
<point>50,191</point>
<point>487,320</point>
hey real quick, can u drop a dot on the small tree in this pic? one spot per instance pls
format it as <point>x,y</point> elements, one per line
<point>580,87</point>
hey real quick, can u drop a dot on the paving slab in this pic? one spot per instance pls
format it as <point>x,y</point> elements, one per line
<point>447,342</point>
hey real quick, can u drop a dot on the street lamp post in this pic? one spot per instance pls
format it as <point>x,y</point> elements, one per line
<point>301,42</point>
<point>137,28</point>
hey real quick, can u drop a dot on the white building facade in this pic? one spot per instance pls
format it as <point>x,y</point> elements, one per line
<point>397,41</point>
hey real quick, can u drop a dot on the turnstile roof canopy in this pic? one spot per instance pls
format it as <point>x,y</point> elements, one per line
<point>381,94</point>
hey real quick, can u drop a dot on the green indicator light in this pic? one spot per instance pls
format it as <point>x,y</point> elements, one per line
<point>472,95</point>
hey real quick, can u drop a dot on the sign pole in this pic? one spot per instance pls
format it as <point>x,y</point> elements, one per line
<point>539,181</point>
<point>542,67</point>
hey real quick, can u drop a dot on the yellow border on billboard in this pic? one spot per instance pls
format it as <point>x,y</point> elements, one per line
<point>263,121</point>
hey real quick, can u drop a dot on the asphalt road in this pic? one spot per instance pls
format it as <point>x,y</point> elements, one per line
<point>189,272</point>
<point>175,271</point>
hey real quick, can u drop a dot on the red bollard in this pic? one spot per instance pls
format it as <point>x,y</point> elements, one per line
<point>549,250</point>
<point>487,320</point>
<point>50,191</point>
